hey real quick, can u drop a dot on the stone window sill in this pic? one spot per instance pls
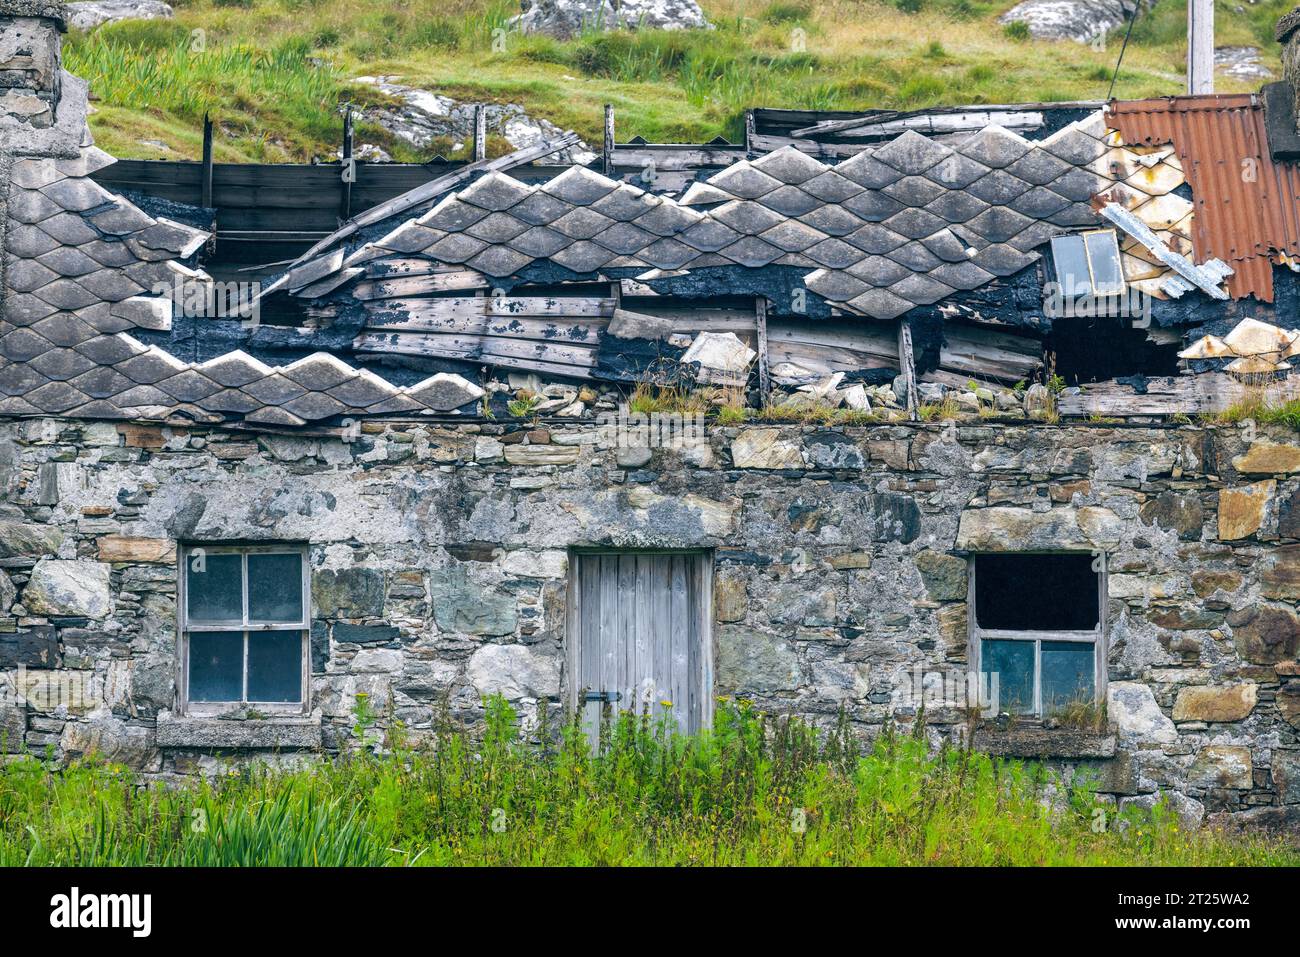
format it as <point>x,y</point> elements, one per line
<point>283,732</point>
<point>1031,741</point>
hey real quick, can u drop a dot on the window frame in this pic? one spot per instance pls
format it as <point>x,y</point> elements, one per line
<point>1096,636</point>
<point>1082,236</point>
<point>185,627</point>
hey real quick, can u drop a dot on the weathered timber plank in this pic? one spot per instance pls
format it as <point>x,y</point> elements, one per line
<point>1207,392</point>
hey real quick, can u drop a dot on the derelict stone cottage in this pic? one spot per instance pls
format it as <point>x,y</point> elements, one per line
<point>410,480</point>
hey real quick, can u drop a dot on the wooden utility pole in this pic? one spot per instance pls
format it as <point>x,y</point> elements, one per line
<point>609,140</point>
<point>1200,46</point>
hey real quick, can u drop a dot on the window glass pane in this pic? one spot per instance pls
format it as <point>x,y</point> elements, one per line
<point>275,666</point>
<point>213,586</point>
<point>274,587</point>
<point>1068,669</point>
<point>1018,592</point>
<point>216,665</point>
<point>1103,256</point>
<point>1071,262</point>
<point>1013,663</point>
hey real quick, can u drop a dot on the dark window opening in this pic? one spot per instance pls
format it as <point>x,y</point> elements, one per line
<point>1095,348</point>
<point>1036,592</point>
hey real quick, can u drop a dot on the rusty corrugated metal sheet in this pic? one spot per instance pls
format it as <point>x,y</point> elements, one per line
<point>1247,207</point>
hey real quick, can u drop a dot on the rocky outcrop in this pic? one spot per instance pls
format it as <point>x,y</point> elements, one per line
<point>568,18</point>
<point>1078,20</point>
<point>425,116</point>
<point>89,14</point>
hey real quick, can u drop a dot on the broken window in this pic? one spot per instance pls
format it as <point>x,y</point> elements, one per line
<point>243,617</point>
<point>1039,626</point>
<point>1088,264</point>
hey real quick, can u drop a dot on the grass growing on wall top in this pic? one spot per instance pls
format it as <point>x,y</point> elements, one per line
<point>274,72</point>
<point>752,791</point>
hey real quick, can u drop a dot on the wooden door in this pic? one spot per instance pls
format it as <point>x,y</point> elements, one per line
<point>640,635</point>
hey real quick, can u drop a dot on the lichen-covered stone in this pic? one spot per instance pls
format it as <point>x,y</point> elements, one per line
<point>1138,719</point>
<point>1228,703</point>
<point>751,662</point>
<point>1222,766</point>
<point>1242,510</point>
<point>1269,634</point>
<point>348,592</point>
<point>944,576</point>
<point>75,589</point>
<point>765,449</point>
<point>514,671</point>
<point>1180,513</point>
<point>465,606</point>
<point>1268,458</point>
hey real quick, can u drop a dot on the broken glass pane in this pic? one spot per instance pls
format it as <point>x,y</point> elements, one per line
<point>1067,674</point>
<point>275,666</point>
<point>1071,261</point>
<point>216,665</point>
<point>214,586</point>
<point>1103,255</point>
<point>274,587</point>
<point>1013,663</point>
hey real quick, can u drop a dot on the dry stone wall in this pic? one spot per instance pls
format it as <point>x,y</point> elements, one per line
<point>439,563</point>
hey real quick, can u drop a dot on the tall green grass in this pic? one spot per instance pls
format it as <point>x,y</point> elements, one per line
<point>751,791</point>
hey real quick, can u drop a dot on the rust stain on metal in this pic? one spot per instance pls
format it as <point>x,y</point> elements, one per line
<point>1247,206</point>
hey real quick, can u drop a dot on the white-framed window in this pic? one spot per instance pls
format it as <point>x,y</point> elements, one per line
<point>1088,263</point>
<point>1038,622</point>
<point>243,612</point>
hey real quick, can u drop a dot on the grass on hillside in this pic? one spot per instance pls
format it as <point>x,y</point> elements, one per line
<point>274,72</point>
<point>753,791</point>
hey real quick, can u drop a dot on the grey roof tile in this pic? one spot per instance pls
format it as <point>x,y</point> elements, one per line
<point>912,153</point>
<point>119,219</point>
<point>1038,166</point>
<point>109,350</point>
<point>669,219</point>
<point>1074,146</point>
<point>65,294</point>
<point>28,242</point>
<point>1033,235</point>
<point>408,238</point>
<point>790,165</point>
<point>452,215</point>
<point>1076,214</point>
<point>875,238</point>
<point>363,391</point>
<point>269,415</point>
<point>61,364</point>
<point>28,274</point>
<point>24,308</point>
<point>110,285</point>
<point>56,397</point>
<point>499,261</point>
<point>961,275</point>
<point>580,186</point>
<point>318,372</point>
<point>750,251</point>
<point>873,206</point>
<point>234,369</point>
<point>878,271</point>
<point>790,201</point>
<point>744,181</point>
<point>541,209</point>
<point>20,345</point>
<point>64,330</point>
<point>455,248</point>
<point>993,146</point>
<point>142,395</point>
<point>585,256</point>
<point>921,289</point>
<point>792,236</point>
<point>1001,259</point>
<point>69,261</point>
<point>34,173</point>
<point>946,246</point>
<point>17,378</point>
<point>956,172</point>
<point>957,206</point>
<point>997,188</point>
<point>1078,185</point>
<point>915,223</point>
<point>188,386</point>
<point>835,285</point>
<point>914,191</point>
<point>708,235</point>
<point>150,366</point>
<point>832,220</point>
<point>915,257</point>
<point>30,206</point>
<point>69,228</point>
<point>582,223</point>
<point>668,254</point>
<point>1039,203</point>
<point>866,171</point>
<point>625,203</point>
<point>274,389</point>
<point>494,192</point>
<point>998,224</point>
<point>231,400</point>
<point>497,228</point>
<point>77,195</point>
<point>831,187</point>
<point>314,406</point>
<point>880,303</point>
<point>539,242</point>
<point>834,253</point>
